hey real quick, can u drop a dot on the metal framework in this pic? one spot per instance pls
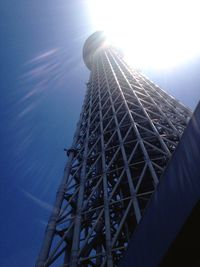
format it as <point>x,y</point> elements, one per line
<point>126,134</point>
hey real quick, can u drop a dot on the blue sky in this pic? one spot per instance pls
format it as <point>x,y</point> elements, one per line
<point>42,88</point>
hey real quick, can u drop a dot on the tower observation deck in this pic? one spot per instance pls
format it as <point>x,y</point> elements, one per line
<point>127,132</point>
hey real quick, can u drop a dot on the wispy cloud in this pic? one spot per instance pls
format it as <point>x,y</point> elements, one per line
<point>46,71</point>
<point>29,103</point>
<point>43,55</point>
<point>38,201</point>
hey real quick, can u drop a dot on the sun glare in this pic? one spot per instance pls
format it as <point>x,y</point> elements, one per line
<point>151,33</point>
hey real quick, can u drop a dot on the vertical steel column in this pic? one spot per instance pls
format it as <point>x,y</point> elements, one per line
<point>135,128</point>
<point>50,230</point>
<point>126,167</point>
<point>51,226</point>
<point>105,189</point>
<point>77,226</point>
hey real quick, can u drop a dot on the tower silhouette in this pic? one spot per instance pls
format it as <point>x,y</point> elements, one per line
<point>127,132</point>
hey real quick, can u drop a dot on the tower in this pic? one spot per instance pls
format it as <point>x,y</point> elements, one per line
<point>127,132</point>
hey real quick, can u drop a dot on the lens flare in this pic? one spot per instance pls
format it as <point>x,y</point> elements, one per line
<point>156,33</point>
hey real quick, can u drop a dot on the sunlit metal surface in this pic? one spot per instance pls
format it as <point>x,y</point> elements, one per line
<point>127,131</point>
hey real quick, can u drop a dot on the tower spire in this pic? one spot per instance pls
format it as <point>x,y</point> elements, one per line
<point>127,132</point>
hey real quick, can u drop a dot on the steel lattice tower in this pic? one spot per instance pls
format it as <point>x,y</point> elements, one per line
<point>126,134</point>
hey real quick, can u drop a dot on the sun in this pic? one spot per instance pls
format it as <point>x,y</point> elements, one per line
<point>151,33</point>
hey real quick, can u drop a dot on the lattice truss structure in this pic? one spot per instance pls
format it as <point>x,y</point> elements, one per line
<point>127,131</point>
